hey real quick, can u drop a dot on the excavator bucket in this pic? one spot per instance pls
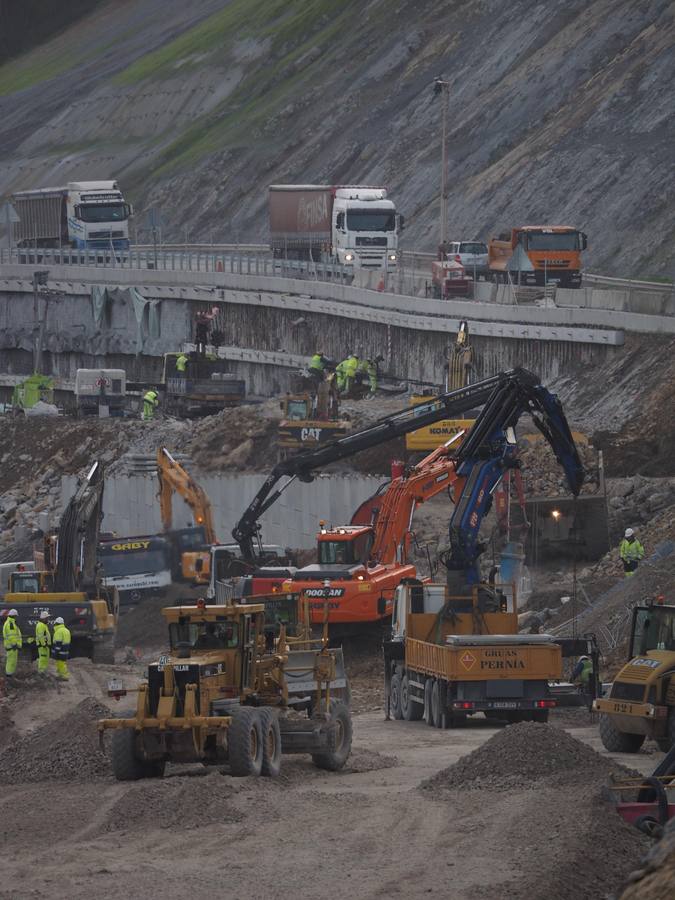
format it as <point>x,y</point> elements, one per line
<point>299,674</point>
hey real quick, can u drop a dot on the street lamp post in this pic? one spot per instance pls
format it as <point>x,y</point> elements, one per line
<point>442,90</point>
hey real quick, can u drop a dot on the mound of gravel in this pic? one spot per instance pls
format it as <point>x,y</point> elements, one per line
<point>66,749</point>
<point>193,800</point>
<point>144,626</point>
<point>521,754</point>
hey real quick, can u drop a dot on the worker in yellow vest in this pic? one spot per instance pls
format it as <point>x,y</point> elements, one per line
<point>61,648</point>
<point>181,364</point>
<point>631,552</point>
<point>12,640</point>
<point>43,641</point>
<point>150,403</point>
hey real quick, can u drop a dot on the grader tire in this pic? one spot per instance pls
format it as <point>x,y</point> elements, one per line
<point>334,760</point>
<point>665,743</point>
<point>126,765</point>
<point>618,741</point>
<point>103,654</point>
<point>271,743</point>
<point>245,743</point>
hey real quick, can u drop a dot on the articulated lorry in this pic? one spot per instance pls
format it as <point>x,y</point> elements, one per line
<point>538,255</point>
<point>87,215</point>
<point>353,225</point>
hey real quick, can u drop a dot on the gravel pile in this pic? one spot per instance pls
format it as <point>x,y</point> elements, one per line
<point>520,755</point>
<point>542,474</point>
<point>144,626</point>
<point>66,749</point>
<point>193,800</point>
<point>655,878</point>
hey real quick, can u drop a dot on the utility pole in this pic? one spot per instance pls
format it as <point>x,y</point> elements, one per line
<point>442,90</point>
<point>39,280</point>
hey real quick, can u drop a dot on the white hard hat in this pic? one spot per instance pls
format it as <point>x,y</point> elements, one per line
<point>44,614</point>
<point>584,657</point>
<point>58,621</point>
<point>629,532</point>
<point>12,612</point>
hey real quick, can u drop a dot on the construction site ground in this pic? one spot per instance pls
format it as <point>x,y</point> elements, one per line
<point>519,820</point>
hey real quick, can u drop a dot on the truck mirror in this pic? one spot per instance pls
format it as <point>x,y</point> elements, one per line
<point>583,240</point>
<point>199,564</point>
<point>401,223</point>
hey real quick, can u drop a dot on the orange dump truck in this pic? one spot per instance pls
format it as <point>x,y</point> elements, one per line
<point>538,255</point>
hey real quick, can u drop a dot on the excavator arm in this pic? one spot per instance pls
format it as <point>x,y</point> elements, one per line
<point>504,397</point>
<point>77,539</point>
<point>174,479</point>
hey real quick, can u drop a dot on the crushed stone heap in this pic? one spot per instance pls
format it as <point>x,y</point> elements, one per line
<point>521,754</point>
<point>66,749</point>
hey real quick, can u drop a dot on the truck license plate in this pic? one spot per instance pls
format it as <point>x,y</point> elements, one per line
<point>115,686</point>
<point>505,704</point>
<point>623,708</point>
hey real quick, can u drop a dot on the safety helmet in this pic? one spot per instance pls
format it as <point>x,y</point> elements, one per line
<point>584,659</point>
<point>629,533</point>
<point>12,612</point>
<point>58,621</point>
<point>44,614</point>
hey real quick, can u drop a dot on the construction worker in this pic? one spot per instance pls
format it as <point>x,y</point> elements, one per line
<point>43,641</point>
<point>12,639</point>
<point>582,672</point>
<point>181,364</point>
<point>346,373</point>
<point>150,403</point>
<point>61,648</point>
<point>631,552</point>
<point>317,366</point>
<point>369,367</point>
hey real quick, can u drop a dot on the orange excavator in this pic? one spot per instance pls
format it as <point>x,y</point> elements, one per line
<point>360,565</point>
<point>192,544</point>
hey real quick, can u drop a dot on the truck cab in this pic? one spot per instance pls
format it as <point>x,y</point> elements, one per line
<point>538,255</point>
<point>365,228</point>
<point>97,215</point>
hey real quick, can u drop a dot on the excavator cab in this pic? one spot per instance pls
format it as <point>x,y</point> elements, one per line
<point>345,546</point>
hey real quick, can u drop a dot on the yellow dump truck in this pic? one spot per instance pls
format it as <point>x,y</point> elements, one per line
<point>229,692</point>
<point>641,701</point>
<point>452,656</point>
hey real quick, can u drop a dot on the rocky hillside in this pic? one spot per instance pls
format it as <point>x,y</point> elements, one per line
<point>559,112</point>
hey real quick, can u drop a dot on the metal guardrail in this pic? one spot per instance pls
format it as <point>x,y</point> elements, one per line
<point>628,283</point>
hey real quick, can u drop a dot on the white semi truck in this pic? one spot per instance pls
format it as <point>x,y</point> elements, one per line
<point>87,215</point>
<point>350,224</point>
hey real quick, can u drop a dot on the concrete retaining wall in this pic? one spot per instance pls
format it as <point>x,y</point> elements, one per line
<point>130,504</point>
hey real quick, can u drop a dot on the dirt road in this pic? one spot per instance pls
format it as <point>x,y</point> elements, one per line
<point>368,832</point>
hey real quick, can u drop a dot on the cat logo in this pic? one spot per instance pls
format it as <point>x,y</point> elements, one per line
<point>310,434</point>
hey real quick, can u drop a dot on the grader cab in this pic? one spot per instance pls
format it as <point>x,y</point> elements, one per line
<point>220,696</point>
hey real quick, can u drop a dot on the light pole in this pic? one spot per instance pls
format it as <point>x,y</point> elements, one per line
<point>442,90</point>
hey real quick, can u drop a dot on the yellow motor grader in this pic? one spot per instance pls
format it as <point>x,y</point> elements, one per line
<point>220,696</point>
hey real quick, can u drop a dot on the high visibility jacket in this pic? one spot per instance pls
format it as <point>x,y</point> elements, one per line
<point>11,634</point>
<point>583,671</point>
<point>181,363</point>
<point>317,362</point>
<point>43,636</point>
<point>350,366</point>
<point>61,646</point>
<point>631,551</point>
<point>151,397</point>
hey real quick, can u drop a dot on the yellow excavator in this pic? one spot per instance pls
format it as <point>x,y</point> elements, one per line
<point>456,376</point>
<point>192,544</point>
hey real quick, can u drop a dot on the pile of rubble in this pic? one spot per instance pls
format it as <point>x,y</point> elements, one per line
<point>66,749</point>
<point>655,879</point>
<point>520,755</point>
<point>542,473</point>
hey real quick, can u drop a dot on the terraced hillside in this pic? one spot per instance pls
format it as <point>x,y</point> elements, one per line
<point>559,111</point>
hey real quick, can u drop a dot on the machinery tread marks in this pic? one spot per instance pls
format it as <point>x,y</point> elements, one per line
<point>410,710</point>
<point>395,696</point>
<point>271,742</point>
<point>334,760</point>
<point>245,742</point>
<point>618,741</point>
<point>126,765</point>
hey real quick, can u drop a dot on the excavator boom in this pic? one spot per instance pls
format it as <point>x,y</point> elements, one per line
<point>173,478</point>
<point>504,398</point>
<point>77,539</point>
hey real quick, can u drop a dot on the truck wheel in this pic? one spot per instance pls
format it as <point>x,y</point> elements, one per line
<point>428,717</point>
<point>395,696</point>
<point>271,743</point>
<point>126,765</point>
<point>335,759</point>
<point>540,715</point>
<point>154,769</point>
<point>411,711</point>
<point>245,743</point>
<point>436,710</point>
<point>618,741</point>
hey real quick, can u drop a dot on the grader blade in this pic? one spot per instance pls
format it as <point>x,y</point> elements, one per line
<point>299,675</point>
